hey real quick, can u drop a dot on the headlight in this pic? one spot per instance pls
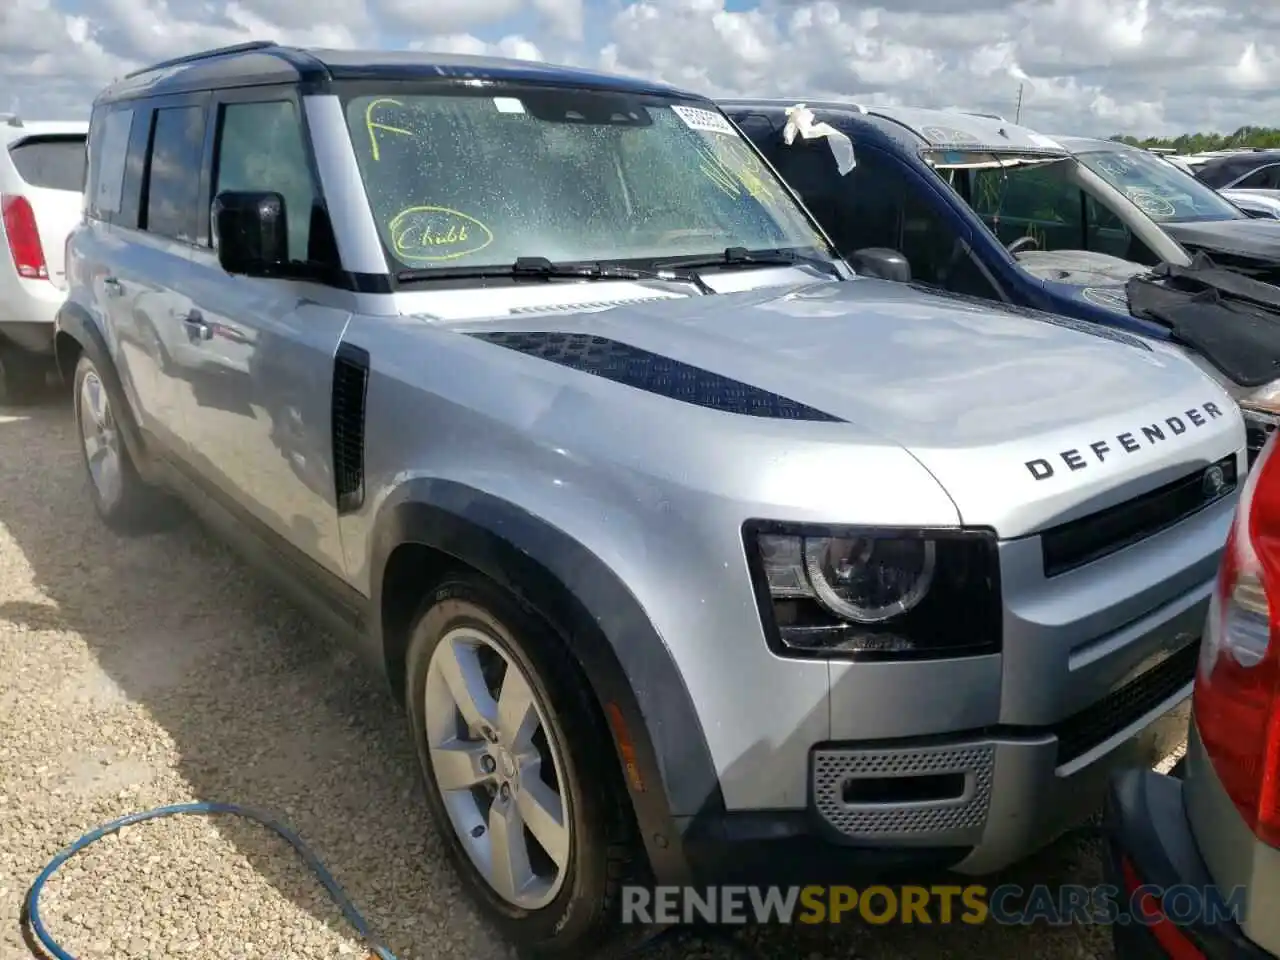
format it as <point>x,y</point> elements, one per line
<point>876,594</point>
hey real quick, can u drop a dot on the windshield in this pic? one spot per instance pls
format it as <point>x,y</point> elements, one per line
<point>1162,192</point>
<point>472,178</point>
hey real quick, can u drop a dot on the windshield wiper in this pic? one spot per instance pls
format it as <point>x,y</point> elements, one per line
<point>741,256</point>
<point>540,268</point>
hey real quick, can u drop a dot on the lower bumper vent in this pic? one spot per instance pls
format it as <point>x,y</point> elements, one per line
<point>911,791</point>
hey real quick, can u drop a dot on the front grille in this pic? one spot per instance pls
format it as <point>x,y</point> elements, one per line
<point>1091,538</point>
<point>833,768</point>
<point>1083,731</point>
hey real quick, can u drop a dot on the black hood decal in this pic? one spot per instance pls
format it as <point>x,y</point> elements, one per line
<point>652,373</point>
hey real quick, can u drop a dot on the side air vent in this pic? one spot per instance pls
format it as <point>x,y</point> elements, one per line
<point>350,385</point>
<point>633,367</point>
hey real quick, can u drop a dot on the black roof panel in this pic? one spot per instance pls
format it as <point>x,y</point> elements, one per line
<point>264,62</point>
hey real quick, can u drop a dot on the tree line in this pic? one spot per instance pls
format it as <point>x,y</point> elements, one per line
<point>1200,142</point>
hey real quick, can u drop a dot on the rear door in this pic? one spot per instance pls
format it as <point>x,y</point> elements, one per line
<point>148,264</point>
<point>51,168</point>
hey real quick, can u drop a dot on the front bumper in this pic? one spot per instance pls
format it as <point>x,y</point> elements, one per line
<point>971,804</point>
<point>1147,827</point>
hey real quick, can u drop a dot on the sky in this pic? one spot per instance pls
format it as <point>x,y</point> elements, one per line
<point>1087,67</point>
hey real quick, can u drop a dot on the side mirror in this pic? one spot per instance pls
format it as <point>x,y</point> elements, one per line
<point>881,262</point>
<point>250,231</point>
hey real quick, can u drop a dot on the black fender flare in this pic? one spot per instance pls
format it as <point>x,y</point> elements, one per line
<point>74,321</point>
<point>669,772</point>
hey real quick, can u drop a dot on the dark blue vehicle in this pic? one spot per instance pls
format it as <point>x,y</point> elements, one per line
<point>974,204</point>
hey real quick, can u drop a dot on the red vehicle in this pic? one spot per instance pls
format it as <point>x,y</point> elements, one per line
<point>1208,844</point>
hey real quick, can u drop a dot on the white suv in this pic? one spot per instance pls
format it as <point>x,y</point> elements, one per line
<point>41,189</point>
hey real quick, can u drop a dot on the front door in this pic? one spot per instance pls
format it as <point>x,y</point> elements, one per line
<point>257,405</point>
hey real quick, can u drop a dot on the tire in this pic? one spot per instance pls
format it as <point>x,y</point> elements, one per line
<point>573,914</point>
<point>125,502</point>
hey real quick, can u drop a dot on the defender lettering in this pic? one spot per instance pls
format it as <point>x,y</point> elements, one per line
<point>1042,468</point>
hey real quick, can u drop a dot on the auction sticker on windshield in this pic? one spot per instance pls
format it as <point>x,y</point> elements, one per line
<point>708,121</point>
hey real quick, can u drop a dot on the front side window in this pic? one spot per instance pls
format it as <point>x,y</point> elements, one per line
<point>460,179</point>
<point>1162,192</point>
<point>261,148</point>
<point>173,183</point>
<point>879,204</point>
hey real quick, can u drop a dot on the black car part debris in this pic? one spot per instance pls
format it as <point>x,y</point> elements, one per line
<point>1229,319</point>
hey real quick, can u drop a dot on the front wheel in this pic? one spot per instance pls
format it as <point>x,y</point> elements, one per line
<point>125,502</point>
<point>520,780</point>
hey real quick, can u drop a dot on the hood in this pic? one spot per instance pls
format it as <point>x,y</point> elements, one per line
<point>975,391</point>
<point>1257,242</point>
<point>1078,268</point>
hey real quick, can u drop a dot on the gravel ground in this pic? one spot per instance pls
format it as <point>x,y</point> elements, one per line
<point>147,672</point>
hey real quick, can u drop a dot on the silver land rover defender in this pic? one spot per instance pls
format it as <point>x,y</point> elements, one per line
<point>691,555</point>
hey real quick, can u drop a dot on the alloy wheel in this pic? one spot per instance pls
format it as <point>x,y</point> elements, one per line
<point>101,440</point>
<point>498,768</point>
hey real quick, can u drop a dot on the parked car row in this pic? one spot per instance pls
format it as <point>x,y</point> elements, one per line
<point>545,389</point>
<point>985,208</point>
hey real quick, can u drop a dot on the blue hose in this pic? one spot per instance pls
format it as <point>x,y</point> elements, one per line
<point>31,908</point>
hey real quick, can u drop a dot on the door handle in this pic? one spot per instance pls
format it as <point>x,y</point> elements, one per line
<point>113,285</point>
<point>196,327</point>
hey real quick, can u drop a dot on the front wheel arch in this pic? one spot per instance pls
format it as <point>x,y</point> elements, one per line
<point>431,527</point>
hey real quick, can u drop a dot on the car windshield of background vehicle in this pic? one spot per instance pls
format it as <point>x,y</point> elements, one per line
<point>460,179</point>
<point>1164,194</point>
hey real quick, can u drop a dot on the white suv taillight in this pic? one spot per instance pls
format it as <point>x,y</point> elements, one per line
<point>24,237</point>
<point>1237,693</point>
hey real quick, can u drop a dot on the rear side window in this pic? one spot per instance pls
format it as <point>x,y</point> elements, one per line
<point>173,183</point>
<point>108,144</point>
<point>51,163</point>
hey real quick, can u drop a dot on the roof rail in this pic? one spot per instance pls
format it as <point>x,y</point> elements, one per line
<point>989,116</point>
<point>12,119</point>
<point>204,55</point>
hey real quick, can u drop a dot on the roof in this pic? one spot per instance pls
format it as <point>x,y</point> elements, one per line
<point>935,129</point>
<point>1089,144</point>
<point>266,62</point>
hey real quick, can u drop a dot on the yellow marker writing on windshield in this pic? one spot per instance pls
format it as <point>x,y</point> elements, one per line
<point>431,234</point>
<point>733,169</point>
<point>371,124</point>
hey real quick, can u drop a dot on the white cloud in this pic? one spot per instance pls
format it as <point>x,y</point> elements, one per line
<point>1086,66</point>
